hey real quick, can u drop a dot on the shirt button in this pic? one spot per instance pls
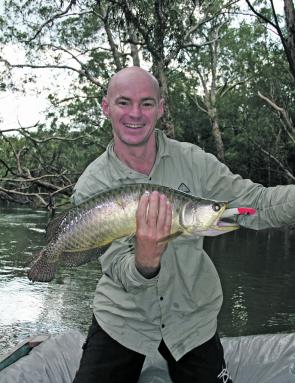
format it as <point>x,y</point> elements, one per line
<point>161,298</point>
<point>163,325</point>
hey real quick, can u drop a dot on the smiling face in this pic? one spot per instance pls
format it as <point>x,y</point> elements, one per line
<point>133,105</point>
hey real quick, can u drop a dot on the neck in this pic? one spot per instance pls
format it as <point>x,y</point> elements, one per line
<point>139,158</point>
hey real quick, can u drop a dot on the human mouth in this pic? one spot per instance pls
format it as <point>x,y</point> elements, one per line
<point>134,126</point>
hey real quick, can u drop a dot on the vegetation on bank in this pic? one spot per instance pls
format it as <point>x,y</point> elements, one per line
<point>226,69</point>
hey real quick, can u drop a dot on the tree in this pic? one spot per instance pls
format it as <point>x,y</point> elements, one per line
<point>286,35</point>
<point>205,63</point>
<point>210,65</point>
<point>39,166</point>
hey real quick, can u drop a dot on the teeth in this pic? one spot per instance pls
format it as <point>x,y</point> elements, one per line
<point>134,126</point>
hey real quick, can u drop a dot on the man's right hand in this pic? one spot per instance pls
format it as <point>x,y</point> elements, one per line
<point>153,223</point>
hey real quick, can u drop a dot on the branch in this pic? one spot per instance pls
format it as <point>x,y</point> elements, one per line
<point>27,178</point>
<point>32,179</point>
<point>195,45</point>
<point>206,19</point>
<point>18,129</point>
<point>140,25</point>
<point>82,65</point>
<point>287,49</point>
<point>104,16</point>
<point>205,88</point>
<point>36,195</point>
<point>15,153</point>
<point>62,189</point>
<point>58,138</point>
<point>273,158</point>
<point>227,87</point>
<point>74,98</point>
<point>8,168</point>
<point>282,113</point>
<point>195,101</point>
<point>82,73</point>
<point>260,15</point>
<point>51,20</point>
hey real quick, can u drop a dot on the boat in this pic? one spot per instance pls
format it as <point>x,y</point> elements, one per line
<point>268,358</point>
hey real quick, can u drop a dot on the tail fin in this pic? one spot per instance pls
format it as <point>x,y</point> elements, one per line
<point>41,270</point>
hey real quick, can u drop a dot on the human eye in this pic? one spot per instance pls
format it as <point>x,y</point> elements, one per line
<point>122,102</point>
<point>148,104</point>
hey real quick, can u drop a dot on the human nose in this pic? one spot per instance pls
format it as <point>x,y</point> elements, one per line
<point>135,111</point>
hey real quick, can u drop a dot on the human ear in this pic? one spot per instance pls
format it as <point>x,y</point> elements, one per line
<point>105,106</point>
<point>161,108</point>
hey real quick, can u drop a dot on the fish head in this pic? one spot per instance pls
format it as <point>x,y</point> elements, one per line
<point>204,218</point>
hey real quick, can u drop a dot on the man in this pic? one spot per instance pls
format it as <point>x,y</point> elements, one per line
<point>164,297</point>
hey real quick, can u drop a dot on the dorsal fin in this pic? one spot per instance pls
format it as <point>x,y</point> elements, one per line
<point>53,226</point>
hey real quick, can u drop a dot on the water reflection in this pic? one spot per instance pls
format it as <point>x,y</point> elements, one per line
<point>256,270</point>
<point>22,303</point>
<point>257,274</point>
<point>239,309</point>
<point>27,308</point>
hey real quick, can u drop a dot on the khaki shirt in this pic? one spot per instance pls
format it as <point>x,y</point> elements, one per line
<point>180,304</point>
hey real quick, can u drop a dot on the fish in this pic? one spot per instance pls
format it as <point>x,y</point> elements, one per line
<point>83,232</point>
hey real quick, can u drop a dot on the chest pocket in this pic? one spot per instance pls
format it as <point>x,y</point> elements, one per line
<point>178,180</point>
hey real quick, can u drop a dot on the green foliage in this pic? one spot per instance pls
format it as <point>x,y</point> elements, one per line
<point>90,40</point>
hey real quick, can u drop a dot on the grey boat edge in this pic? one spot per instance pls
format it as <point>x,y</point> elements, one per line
<point>266,358</point>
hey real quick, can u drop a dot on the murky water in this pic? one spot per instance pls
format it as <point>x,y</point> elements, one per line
<point>28,308</point>
<point>257,271</point>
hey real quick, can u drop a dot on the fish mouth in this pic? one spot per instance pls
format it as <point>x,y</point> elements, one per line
<point>225,223</point>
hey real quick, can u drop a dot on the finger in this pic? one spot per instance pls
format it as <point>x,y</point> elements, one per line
<point>142,209</point>
<point>162,212</point>
<point>168,221</point>
<point>153,209</point>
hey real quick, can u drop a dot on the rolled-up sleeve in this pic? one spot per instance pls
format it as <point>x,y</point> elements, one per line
<point>275,206</point>
<point>118,263</point>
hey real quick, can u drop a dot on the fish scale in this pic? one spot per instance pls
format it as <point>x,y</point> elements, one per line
<point>81,233</point>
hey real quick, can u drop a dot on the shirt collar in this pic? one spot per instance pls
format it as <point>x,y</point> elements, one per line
<point>119,170</point>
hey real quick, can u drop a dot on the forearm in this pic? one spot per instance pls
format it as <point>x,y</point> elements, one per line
<point>147,271</point>
<point>118,263</point>
<point>275,205</point>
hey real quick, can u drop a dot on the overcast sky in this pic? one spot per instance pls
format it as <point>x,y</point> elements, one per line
<point>26,110</point>
<point>17,108</point>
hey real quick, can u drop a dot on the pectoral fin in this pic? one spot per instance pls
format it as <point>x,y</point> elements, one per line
<point>170,237</point>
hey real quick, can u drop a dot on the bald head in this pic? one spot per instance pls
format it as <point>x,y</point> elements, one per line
<point>133,105</point>
<point>130,75</point>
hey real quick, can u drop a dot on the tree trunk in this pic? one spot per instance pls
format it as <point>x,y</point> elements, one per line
<point>216,133</point>
<point>290,40</point>
<point>133,46</point>
<point>166,125</point>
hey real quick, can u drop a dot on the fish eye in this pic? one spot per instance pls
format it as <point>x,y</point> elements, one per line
<point>216,207</point>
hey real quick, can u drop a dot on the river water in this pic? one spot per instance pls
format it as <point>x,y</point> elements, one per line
<point>257,271</point>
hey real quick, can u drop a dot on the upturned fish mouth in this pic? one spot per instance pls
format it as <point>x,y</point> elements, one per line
<point>227,221</point>
<point>223,226</point>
